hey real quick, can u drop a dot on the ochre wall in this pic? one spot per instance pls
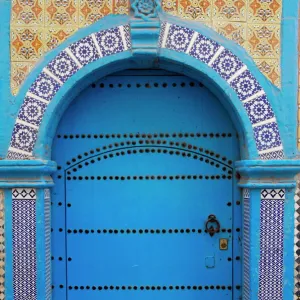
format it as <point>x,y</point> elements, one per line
<point>38,26</point>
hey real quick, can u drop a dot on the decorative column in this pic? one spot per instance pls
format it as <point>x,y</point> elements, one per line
<point>26,193</point>
<point>268,228</point>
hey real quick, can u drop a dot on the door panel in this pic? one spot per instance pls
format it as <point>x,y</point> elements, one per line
<point>143,161</point>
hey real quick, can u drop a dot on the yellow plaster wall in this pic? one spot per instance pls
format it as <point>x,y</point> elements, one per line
<point>38,26</point>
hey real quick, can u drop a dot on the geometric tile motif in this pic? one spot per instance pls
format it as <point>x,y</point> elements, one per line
<point>271,247</point>
<point>85,50</point>
<point>23,137</point>
<point>204,49</point>
<point>62,66</point>
<point>267,136</point>
<point>245,85</point>
<point>259,109</point>
<point>110,41</point>
<point>179,38</point>
<point>32,111</point>
<point>49,81</point>
<point>247,243</point>
<point>276,194</point>
<point>24,244</point>
<point>161,33</point>
<point>232,69</point>
<point>47,212</point>
<point>2,247</point>
<point>227,64</point>
<point>45,87</point>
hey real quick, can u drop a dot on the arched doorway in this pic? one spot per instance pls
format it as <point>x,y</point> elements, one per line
<point>144,161</point>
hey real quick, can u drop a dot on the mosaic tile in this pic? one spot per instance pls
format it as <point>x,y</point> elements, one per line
<point>259,109</point>
<point>271,244</point>
<point>195,10</point>
<point>110,41</point>
<point>235,31</point>
<point>247,243</point>
<point>260,11</point>
<point>27,13</point>
<point>245,85</point>
<point>161,34</point>
<point>45,87</point>
<point>274,155</point>
<point>267,136</point>
<point>54,36</point>
<point>270,68</point>
<point>85,50</point>
<point>32,111</point>
<point>263,40</point>
<point>61,12</point>
<point>2,246</point>
<point>24,244</point>
<point>23,137</point>
<point>230,10</point>
<point>227,64</point>
<point>11,155</point>
<point>93,10</point>
<point>62,66</point>
<point>170,6</point>
<point>19,72</point>
<point>179,38</point>
<point>204,49</point>
<point>297,240</point>
<point>26,44</point>
<point>121,7</point>
<point>127,33</point>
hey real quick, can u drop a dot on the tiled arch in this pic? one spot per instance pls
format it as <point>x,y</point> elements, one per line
<point>117,39</point>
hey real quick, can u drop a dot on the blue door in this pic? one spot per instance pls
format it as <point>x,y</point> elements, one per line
<point>145,204</point>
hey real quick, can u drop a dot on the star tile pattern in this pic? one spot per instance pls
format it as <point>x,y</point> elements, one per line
<point>271,244</point>
<point>235,72</point>
<point>38,26</point>
<point>54,75</point>
<point>247,243</point>
<point>24,243</point>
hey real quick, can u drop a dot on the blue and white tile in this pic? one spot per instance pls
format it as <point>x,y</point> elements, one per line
<point>23,137</point>
<point>227,64</point>
<point>247,245</point>
<point>271,248</point>
<point>245,85</point>
<point>110,41</point>
<point>259,109</point>
<point>24,243</point>
<point>204,48</point>
<point>267,136</point>
<point>179,38</point>
<point>44,87</point>
<point>162,34</point>
<point>273,155</point>
<point>126,29</point>
<point>278,194</point>
<point>32,111</point>
<point>12,155</point>
<point>85,51</point>
<point>63,66</point>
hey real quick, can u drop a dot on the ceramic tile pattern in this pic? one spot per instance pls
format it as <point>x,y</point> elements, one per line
<point>24,243</point>
<point>54,75</point>
<point>38,26</point>
<point>247,243</point>
<point>297,240</point>
<point>271,244</point>
<point>235,72</point>
<point>47,209</point>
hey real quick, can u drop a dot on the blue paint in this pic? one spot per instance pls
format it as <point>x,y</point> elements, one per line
<point>147,259</point>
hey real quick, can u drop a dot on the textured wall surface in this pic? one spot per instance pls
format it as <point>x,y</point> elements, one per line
<point>38,26</point>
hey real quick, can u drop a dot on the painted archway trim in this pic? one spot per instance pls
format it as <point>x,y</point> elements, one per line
<point>118,39</point>
<point>241,80</point>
